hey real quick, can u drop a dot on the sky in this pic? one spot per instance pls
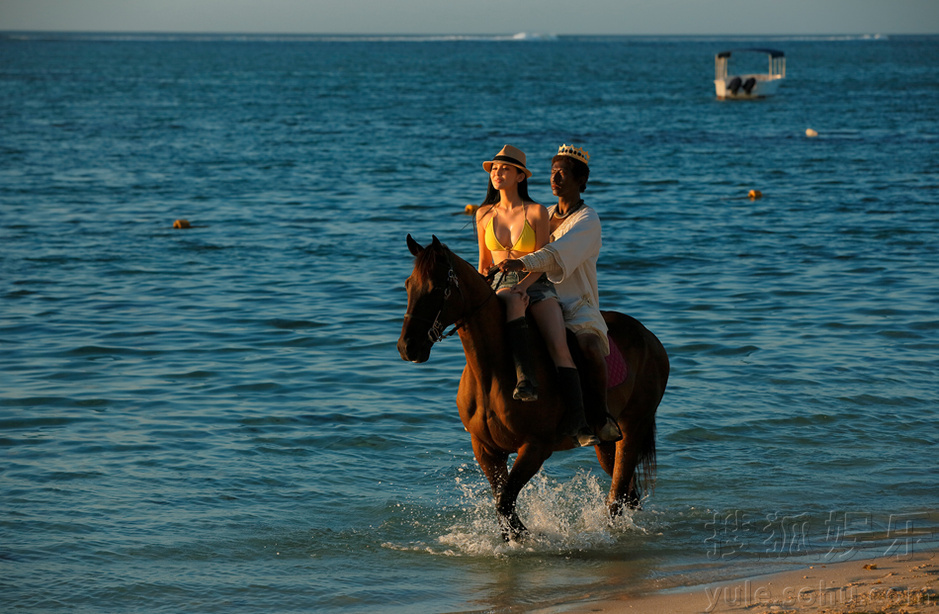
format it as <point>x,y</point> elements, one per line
<point>636,17</point>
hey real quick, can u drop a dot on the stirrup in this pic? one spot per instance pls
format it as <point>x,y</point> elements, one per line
<point>525,391</point>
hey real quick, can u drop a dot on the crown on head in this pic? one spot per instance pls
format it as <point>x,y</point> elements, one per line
<point>574,152</point>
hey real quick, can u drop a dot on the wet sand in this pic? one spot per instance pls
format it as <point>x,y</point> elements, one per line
<point>886,585</point>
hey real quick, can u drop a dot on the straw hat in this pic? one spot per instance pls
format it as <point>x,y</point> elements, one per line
<point>509,155</point>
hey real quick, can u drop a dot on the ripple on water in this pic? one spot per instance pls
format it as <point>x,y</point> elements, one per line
<point>218,416</point>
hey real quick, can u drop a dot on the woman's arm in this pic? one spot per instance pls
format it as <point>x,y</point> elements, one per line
<point>485,256</point>
<point>542,225</point>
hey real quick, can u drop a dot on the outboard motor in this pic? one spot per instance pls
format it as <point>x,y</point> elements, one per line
<point>734,85</point>
<point>749,85</point>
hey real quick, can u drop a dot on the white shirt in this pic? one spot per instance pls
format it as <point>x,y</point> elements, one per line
<point>570,262</point>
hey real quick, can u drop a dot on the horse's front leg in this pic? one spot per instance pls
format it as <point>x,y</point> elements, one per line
<point>493,464</point>
<point>507,484</point>
<point>529,460</point>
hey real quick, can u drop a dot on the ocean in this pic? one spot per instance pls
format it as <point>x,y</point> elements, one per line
<point>216,419</point>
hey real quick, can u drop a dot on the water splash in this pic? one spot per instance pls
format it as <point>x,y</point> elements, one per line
<point>562,516</point>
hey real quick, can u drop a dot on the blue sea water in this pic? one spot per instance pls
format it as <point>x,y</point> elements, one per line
<point>217,419</point>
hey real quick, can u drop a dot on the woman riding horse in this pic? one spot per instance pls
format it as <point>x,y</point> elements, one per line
<point>444,290</point>
<point>508,212</point>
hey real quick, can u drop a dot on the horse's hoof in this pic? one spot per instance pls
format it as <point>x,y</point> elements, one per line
<point>631,502</point>
<point>525,391</point>
<point>514,531</point>
<point>517,536</point>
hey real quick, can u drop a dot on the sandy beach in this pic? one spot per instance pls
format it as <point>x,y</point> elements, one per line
<point>877,585</point>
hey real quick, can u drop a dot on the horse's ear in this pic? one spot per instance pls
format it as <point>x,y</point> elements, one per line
<point>414,247</point>
<point>436,242</point>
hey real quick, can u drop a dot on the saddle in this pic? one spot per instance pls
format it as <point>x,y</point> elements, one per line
<point>616,368</point>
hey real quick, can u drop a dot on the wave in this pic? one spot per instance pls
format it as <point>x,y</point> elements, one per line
<point>271,38</point>
<point>534,36</point>
<point>407,38</point>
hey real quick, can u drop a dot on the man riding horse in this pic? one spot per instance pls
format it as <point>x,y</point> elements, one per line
<point>444,290</point>
<point>570,262</point>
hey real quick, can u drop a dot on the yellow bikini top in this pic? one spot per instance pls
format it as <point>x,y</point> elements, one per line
<point>525,244</point>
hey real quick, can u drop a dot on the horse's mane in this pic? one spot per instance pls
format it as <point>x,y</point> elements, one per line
<point>436,255</point>
<point>433,255</point>
<point>426,261</point>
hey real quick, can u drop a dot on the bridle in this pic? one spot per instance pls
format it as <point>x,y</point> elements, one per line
<point>435,332</point>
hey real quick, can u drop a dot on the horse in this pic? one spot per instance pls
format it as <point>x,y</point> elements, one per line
<point>444,290</point>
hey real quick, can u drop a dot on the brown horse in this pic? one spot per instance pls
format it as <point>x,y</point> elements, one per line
<point>444,290</point>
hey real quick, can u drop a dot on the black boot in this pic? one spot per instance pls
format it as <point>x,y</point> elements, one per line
<point>598,417</point>
<point>520,344</point>
<point>573,424</point>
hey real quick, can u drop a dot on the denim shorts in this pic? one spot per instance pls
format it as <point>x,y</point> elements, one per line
<point>538,291</point>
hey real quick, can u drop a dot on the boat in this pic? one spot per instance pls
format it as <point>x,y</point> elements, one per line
<point>748,86</point>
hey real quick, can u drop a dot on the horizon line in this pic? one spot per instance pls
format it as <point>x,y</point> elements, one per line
<point>533,33</point>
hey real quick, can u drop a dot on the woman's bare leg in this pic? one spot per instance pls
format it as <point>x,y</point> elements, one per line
<point>547,314</point>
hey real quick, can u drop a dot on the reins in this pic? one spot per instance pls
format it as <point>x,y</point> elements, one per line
<point>436,331</point>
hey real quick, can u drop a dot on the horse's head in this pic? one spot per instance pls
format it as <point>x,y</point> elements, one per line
<point>434,300</point>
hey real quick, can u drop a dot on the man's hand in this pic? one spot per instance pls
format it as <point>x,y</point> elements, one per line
<point>511,266</point>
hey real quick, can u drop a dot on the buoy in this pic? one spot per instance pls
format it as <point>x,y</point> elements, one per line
<point>810,133</point>
<point>181,224</point>
<point>755,194</point>
<point>470,209</point>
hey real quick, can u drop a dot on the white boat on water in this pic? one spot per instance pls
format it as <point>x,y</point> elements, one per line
<point>748,86</point>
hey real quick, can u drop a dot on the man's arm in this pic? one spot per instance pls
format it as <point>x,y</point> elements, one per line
<point>580,242</point>
<point>541,261</point>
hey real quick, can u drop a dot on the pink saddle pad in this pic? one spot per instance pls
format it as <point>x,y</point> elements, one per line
<point>615,366</point>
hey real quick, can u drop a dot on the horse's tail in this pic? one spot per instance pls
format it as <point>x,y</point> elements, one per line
<point>645,470</point>
<point>652,368</point>
<point>657,360</point>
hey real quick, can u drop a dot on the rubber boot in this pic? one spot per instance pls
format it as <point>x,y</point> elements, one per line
<point>596,412</point>
<point>574,424</point>
<point>520,344</point>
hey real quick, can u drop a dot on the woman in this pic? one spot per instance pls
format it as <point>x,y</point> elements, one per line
<point>509,224</point>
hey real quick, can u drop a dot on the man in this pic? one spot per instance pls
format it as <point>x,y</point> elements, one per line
<point>570,261</point>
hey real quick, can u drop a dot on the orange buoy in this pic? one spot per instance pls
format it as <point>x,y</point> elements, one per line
<point>470,209</point>
<point>181,224</point>
<point>755,194</point>
<point>810,133</point>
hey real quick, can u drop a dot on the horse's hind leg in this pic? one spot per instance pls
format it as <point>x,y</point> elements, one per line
<point>623,491</point>
<point>636,450</point>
